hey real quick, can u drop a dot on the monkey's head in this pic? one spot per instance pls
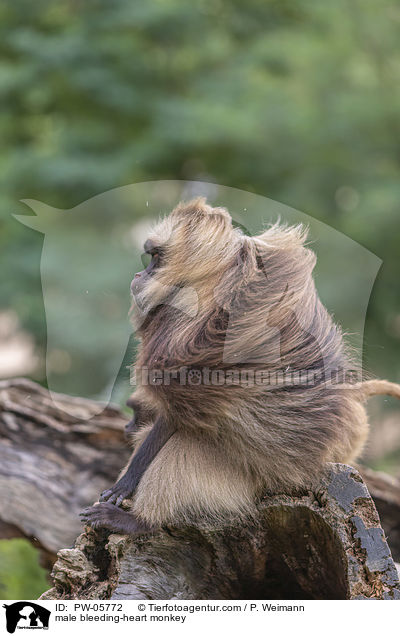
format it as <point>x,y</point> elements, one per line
<point>185,257</point>
<point>200,267</point>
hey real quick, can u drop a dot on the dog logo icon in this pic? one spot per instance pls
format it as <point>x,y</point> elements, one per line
<point>26,615</point>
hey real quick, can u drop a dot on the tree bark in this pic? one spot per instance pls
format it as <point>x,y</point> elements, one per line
<point>53,463</point>
<point>385,491</point>
<point>322,545</point>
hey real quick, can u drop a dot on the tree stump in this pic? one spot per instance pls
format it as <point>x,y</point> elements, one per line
<point>323,545</point>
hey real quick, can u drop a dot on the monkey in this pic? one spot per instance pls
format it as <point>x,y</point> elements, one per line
<point>213,303</point>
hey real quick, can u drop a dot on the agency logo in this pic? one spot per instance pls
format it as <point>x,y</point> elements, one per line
<point>26,615</point>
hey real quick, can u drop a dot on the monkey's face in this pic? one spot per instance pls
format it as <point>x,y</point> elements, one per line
<point>151,259</point>
<point>185,257</point>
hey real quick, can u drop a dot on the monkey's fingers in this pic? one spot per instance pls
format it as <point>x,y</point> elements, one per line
<point>106,494</point>
<point>120,500</point>
<point>115,495</point>
<point>111,496</point>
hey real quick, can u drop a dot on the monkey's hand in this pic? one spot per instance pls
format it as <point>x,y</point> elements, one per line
<point>123,489</point>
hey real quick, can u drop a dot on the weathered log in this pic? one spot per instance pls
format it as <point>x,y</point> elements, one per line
<point>53,463</point>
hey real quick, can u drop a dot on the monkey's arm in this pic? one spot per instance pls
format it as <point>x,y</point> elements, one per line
<point>134,424</point>
<point>126,486</point>
<point>143,415</point>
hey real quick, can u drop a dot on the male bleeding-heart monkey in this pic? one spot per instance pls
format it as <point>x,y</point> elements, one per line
<point>213,308</point>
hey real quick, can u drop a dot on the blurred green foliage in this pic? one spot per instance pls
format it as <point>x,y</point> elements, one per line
<point>21,577</point>
<point>297,101</point>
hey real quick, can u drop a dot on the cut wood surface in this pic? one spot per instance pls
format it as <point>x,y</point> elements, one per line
<point>53,463</point>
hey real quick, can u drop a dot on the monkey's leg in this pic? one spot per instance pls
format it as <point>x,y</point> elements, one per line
<point>106,515</point>
<point>128,483</point>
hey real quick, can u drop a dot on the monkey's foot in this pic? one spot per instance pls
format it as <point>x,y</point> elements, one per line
<point>108,516</point>
<point>120,491</point>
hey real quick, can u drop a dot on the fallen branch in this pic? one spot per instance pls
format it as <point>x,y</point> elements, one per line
<point>53,463</point>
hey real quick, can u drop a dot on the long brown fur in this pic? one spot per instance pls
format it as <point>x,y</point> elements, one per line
<point>229,302</point>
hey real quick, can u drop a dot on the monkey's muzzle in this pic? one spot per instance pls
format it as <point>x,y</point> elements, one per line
<point>139,282</point>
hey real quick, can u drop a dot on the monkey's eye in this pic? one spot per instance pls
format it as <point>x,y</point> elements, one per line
<point>150,259</point>
<point>146,259</point>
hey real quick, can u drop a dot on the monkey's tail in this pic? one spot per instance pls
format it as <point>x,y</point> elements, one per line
<point>375,387</point>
